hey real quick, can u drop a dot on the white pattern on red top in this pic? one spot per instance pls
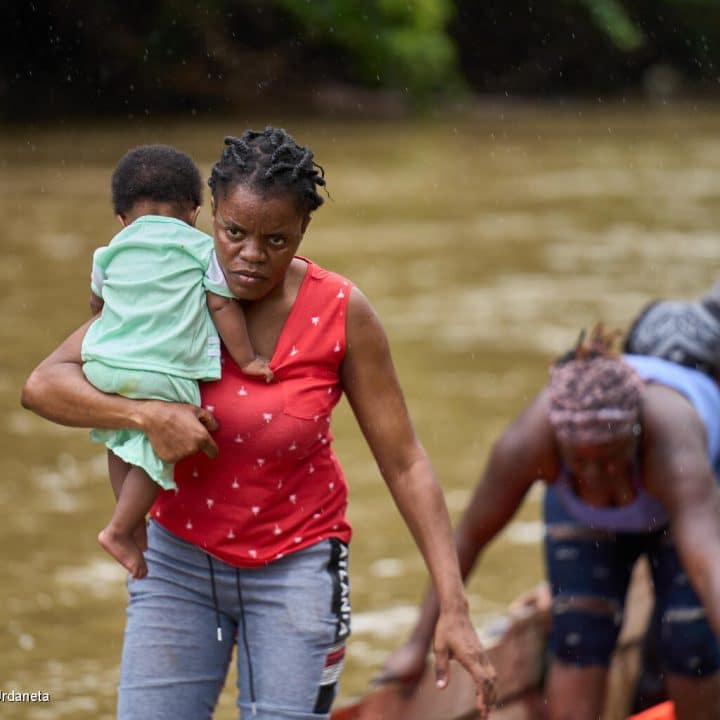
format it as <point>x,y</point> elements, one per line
<point>236,506</point>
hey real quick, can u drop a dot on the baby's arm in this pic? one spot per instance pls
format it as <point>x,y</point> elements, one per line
<point>229,320</point>
<point>96,303</point>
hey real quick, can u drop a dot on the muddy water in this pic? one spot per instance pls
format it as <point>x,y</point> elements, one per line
<point>484,240</point>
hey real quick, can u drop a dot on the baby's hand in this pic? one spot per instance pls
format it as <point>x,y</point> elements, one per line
<point>258,367</point>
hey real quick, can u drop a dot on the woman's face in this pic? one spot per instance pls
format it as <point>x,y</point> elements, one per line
<point>256,238</point>
<point>597,466</point>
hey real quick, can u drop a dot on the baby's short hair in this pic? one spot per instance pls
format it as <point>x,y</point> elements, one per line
<point>160,173</point>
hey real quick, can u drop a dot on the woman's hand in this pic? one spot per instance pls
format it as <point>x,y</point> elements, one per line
<point>58,390</point>
<point>372,388</point>
<point>455,637</point>
<point>176,430</point>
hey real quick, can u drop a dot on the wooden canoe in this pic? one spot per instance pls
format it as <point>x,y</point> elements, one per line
<point>516,646</point>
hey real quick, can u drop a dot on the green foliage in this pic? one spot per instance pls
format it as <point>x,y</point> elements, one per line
<point>612,18</point>
<point>692,20</point>
<point>391,43</point>
<point>186,55</point>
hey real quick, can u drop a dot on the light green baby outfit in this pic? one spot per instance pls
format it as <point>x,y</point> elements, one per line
<point>154,338</point>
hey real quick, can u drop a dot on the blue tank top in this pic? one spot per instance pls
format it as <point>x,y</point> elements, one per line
<point>645,513</point>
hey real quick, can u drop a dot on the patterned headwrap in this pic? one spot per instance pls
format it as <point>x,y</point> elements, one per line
<point>683,332</point>
<point>594,396</point>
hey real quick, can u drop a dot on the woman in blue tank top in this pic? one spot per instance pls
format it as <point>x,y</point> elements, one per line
<point>626,445</point>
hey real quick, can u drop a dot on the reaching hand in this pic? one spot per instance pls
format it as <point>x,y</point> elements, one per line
<point>455,637</point>
<point>259,367</point>
<point>176,430</point>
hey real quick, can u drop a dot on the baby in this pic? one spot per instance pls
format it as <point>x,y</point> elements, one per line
<point>163,301</point>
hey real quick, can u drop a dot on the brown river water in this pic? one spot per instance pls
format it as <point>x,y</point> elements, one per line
<point>485,240</point>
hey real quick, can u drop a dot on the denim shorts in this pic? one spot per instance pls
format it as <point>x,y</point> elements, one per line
<point>589,572</point>
<point>289,621</point>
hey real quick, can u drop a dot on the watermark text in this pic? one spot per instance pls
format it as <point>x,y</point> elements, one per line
<point>23,696</point>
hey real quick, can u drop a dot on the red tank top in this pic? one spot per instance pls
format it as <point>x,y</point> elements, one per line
<point>276,486</point>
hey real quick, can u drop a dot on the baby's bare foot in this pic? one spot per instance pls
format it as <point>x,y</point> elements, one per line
<point>124,549</point>
<point>259,367</point>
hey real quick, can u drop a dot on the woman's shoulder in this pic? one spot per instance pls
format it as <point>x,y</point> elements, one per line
<point>531,425</point>
<point>661,400</point>
<point>321,274</point>
<point>324,289</point>
<point>668,416</point>
<point>528,444</point>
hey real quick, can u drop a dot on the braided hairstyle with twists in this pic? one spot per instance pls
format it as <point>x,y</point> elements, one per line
<point>594,393</point>
<point>269,162</point>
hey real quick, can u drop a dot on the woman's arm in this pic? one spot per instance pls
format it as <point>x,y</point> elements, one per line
<point>678,473</point>
<point>372,387</point>
<point>57,390</point>
<point>524,453</point>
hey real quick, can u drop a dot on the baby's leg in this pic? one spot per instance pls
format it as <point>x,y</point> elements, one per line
<point>136,496</point>
<point>118,470</point>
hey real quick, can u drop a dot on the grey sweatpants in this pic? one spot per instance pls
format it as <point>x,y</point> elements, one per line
<point>289,620</point>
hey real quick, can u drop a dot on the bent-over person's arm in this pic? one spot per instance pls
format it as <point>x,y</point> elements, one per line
<point>678,472</point>
<point>524,453</point>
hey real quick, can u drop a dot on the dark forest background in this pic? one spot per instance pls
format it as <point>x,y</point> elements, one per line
<point>85,58</point>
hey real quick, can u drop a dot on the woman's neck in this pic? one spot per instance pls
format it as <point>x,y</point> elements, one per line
<point>267,316</point>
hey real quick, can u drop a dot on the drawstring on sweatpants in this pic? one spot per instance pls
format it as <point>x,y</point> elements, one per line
<point>214,596</point>
<point>253,703</point>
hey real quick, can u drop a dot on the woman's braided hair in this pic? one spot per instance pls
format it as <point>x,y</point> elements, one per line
<point>269,161</point>
<point>594,393</point>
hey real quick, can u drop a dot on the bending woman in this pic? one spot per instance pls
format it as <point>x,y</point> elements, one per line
<point>626,445</point>
<point>252,547</point>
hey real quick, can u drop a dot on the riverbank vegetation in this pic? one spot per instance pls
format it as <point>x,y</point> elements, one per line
<point>93,57</point>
